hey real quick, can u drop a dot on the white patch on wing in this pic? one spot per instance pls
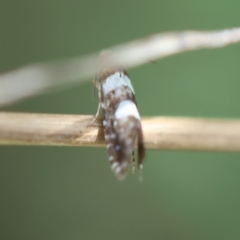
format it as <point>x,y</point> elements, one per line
<point>118,170</point>
<point>125,109</point>
<point>108,145</point>
<point>115,81</point>
<point>107,137</point>
<point>112,135</point>
<point>125,164</point>
<point>114,166</point>
<point>129,141</point>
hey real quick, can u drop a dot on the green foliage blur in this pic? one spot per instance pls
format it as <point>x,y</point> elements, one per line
<point>69,192</point>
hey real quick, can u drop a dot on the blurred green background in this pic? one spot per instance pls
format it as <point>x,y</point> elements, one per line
<point>69,192</point>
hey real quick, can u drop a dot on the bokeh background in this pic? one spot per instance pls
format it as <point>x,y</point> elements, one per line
<point>69,192</point>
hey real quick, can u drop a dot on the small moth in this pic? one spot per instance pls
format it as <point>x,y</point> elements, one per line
<point>122,123</point>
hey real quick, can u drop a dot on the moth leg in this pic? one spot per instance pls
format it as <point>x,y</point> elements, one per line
<point>140,166</point>
<point>133,162</point>
<point>98,111</point>
<point>97,114</point>
<point>141,154</point>
<point>140,176</point>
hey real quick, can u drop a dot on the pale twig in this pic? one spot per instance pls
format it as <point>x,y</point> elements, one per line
<point>166,133</point>
<point>37,78</point>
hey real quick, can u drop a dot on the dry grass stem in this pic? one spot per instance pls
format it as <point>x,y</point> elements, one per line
<point>165,133</point>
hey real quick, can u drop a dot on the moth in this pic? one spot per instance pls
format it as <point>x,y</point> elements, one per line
<point>121,120</point>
